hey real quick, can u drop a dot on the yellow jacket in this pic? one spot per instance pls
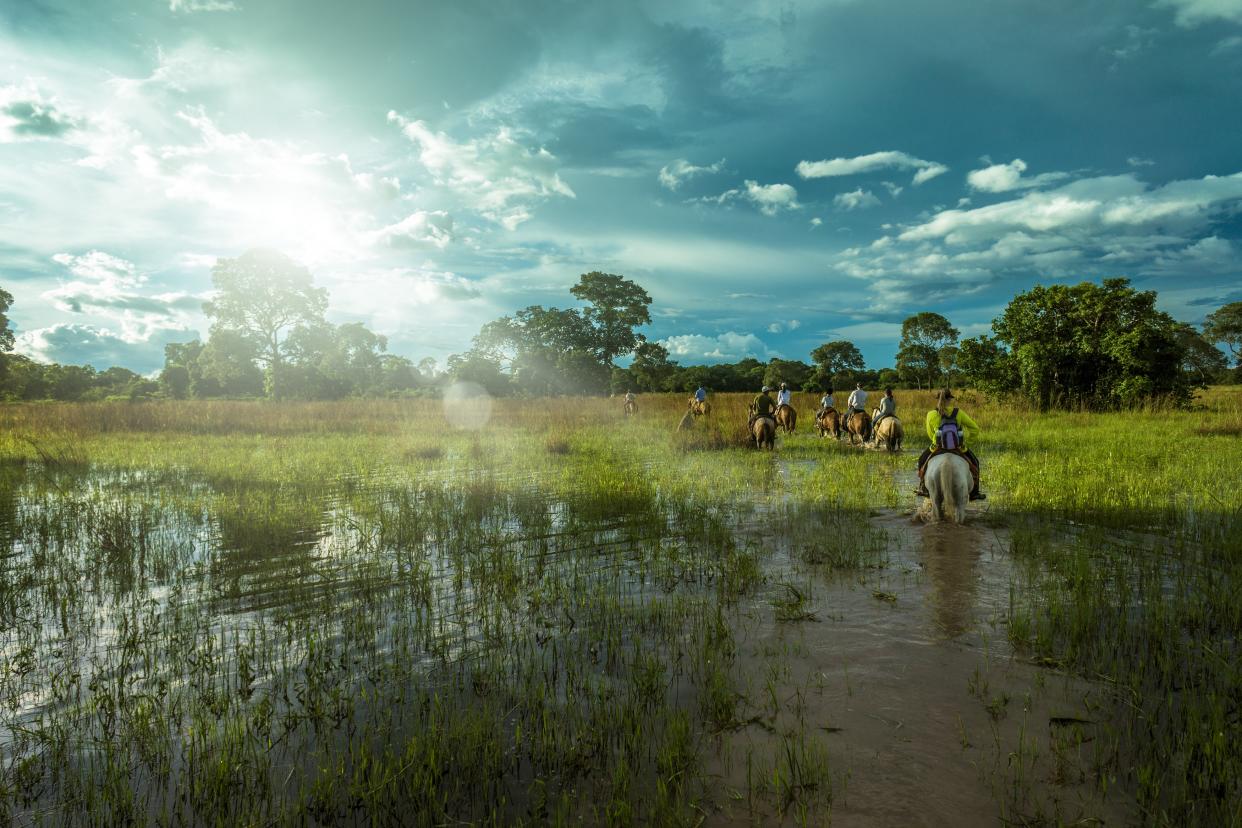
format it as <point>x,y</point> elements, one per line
<point>970,429</point>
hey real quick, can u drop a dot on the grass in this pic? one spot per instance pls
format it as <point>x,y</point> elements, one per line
<point>236,612</point>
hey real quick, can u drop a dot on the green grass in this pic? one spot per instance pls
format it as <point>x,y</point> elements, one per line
<point>335,612</point>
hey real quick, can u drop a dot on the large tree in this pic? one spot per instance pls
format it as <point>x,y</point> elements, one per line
<point>1225,326</point>
<point>615,307</point>
<point>261,296</point>
<point>928,344</point>
<point>1092,345</point>
<point>838,356</point>
<point>6,333</point>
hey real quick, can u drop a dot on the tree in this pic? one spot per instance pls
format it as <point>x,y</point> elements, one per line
<point>834,357</point>
<point>925,342</point>
<point>1225,326</point>
<point>651,367</point>
<point>228,367</point>
<point>1203,361</point>
<point>985,365</point>
<point>615,307</point>
<point>260,296</point>
<point>792,372</point>
<point>6,333</point>
<point>1092,345</point>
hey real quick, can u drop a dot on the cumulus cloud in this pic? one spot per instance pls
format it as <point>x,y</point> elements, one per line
<point>1190,13</point>
<point>419,229</point>
<point>496,174</point>
<point>1109,225</point>
<point>781,327</point>
<point>888,159</point>
<point>675,173</point>
<point>74,343</point>
<point>27,115</point>
<point>726,347</point>
<point>1001,178</point>
<point>769,198</point>
<point>110,287</point>
<point>859,199</point>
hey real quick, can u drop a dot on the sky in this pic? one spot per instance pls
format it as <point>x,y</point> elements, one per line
<point>776,173</point>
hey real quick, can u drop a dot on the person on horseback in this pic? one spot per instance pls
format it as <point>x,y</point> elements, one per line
<point>888,408</point>
<point>950,429</point>
<point>857,402</point>
<point>825,402</point>
<point>763,406</point>
<point>783,396</point>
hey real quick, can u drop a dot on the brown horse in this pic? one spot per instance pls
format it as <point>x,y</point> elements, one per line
<point>786,417</point>
<point>858,425</point>
<point>700,409</point>
<point>829,420</point>
<point>631,408</point>
<point>890,432</point>
<point>763,430</point>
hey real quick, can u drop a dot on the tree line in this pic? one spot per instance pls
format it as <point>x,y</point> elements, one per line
<point>1087,345</point>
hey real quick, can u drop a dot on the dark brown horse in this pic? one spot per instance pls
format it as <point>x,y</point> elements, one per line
<point>858,425</point>
<point>786,417</point>
<point>829,421</point>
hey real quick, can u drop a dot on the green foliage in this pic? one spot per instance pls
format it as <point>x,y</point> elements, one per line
<point>1225,326</point>
<point>1092,345</point>
<point>261,296</point>
<point>792,372</point>
<point>651,369</point>
<point>927,348</point>
<point>6,333</point>
<point>615,307</point>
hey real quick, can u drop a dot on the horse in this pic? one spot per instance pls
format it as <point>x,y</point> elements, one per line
<point>858,424</point>
<point>700,409</point>
<point>829,420</point>
<point>891,432</point>
<point>763,430</point>
<point>786,417</point>
<point>948,482</point>
<point>631,408</point>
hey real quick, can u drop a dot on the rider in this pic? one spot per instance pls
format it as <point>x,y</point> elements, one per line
<point>888,408</point>
<point>970,432</point>
<point>763,406</point>
<point>857,402</point>
<point>783,396</point>
<point>825,402</point>
<point>700,396</point>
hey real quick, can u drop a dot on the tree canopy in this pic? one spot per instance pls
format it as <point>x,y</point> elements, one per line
<point>927,348</point>
<point>1225,326</point>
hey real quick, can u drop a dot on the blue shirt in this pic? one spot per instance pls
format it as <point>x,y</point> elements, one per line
<point>701,394</point>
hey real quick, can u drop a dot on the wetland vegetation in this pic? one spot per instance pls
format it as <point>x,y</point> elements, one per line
<point>344,612</point>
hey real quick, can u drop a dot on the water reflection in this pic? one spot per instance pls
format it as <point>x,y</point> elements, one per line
<point>950,555</point>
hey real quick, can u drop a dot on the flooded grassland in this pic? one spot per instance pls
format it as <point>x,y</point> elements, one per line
<point>341,613</point>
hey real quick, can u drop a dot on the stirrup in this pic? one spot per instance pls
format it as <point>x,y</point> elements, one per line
<point>977,495</point>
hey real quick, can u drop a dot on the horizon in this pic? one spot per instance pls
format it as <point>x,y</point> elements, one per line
<point>883,159</point>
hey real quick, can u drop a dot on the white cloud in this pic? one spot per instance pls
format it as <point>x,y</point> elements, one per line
<point>859,199</point>
<point>191,6</point>
<point>769,198</point>
<point>1001,178</point>
<point>1194,12</point>
<point>888,159</point>
<point>496,175</point>
<point>726,347</point>
<point>816,221</point>
<point>894,190</point>
<point>781,327</point>
<point>73,343</point>
<point>110,287</point>
<point>1136,161</point>
<point>419,229</point>
<point>677,172</point>
<point>1111,202</point>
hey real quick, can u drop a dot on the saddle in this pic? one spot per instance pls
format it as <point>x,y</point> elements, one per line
<point>974,470</point>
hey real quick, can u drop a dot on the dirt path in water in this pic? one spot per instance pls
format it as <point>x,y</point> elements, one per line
<point>909,680</point>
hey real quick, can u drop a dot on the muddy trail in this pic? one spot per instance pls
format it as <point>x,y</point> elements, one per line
<point>930,717</point>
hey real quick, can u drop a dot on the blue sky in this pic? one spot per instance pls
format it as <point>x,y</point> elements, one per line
<point>776,174</point>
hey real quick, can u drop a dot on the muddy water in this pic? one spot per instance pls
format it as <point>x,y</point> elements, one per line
<point>906,676</point>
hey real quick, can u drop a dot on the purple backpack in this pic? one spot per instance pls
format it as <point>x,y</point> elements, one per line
<point>949,435</point>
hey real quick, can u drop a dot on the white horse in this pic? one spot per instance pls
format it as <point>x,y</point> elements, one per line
<point>948,482</point>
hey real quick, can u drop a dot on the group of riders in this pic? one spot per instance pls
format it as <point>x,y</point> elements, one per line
<point>948,427</point>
